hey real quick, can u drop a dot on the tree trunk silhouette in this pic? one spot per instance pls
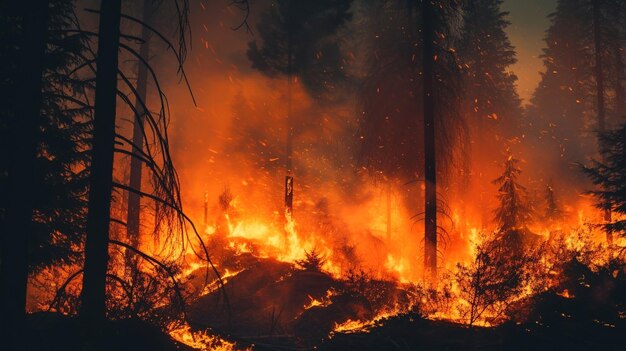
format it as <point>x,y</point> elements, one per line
<point>620,95</point>
<point>289,140</point>
<point>389,212</point>
<point>430,176</point>
<point>134,200</point>
<point>597,38</point>
<point>96,245</point>
<point>23,124</point>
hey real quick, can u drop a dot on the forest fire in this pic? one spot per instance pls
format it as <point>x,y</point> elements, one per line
<point>313,175</point>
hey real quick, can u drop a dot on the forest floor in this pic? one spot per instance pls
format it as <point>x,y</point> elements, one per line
<point>56,332</point>
<point>414,333</point>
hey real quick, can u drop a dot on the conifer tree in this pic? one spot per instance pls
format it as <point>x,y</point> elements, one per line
<point>610,175</point>
<point>295,43</point>
<point>513,211</point>
<point>581,89</point>
<point>491,101</point>
<point>553,211</point>
<point>43,162</point>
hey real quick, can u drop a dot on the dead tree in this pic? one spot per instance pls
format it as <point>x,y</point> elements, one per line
<point>172,223</point>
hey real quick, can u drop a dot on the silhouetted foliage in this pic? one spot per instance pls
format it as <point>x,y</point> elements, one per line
<point>610,176</point>
<point>494,280</point>
<point>491,103</point>
<point>313,261</point>
<point>297,38</point>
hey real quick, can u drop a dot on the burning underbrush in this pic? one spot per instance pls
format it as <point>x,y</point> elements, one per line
<point>289,283</point>
<point>282,288</point>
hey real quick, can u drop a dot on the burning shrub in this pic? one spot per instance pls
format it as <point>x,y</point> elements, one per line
<point>498,276</point>
<point>312,261</point>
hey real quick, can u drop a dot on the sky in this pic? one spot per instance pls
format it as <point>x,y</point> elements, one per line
<point>527,30</point>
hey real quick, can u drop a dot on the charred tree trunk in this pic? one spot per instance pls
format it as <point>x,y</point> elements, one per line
<point>134,200</point>
<point>23,123</point>
<point>98,217</point>
<point>289,141</point>
<point>430,176</point>
<point>288,197</point>
<point>597,36</point>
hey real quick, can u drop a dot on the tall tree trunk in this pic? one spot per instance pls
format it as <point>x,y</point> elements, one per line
<point>430,175</point>
<point>289,140</point>
<point>597,36</point>
<point>389,211</point>
<point>96,245</point>
<point>134,200</point>
<point>620,80</point>
<point>23,124</point>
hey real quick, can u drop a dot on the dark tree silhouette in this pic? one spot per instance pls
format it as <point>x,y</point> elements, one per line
<point>134,200</point>
<point>579,89</point>
<point>101,184</point>
<point>296,42</point>
<point>17,220</point>
<point>430,171</point>
<point>490,100</point>
<point>58,183</point>
<point>610,174</point>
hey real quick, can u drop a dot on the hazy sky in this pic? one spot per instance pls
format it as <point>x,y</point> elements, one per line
<point>527,30</point>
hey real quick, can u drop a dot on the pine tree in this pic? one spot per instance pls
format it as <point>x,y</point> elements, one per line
<point>491,101</point>
<point>513,212</point>
<point>296,43</point>
<point>56,184</point>
<point>22,122</point>
<point>391,97</point>
<point>579,90</point>
<point>553,210</point>
<point>610,175</point>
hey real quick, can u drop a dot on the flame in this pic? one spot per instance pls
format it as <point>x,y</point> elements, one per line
<point>201,340</point>
<point>353,326</point>
<point>324,302</point>
<point>566,294</point>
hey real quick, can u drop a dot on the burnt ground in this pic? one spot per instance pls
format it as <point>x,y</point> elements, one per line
<point>270,302</point>
<point>267,309</point>
<point>267,302</point>
<point>411,332</point>
<point>53,331</point>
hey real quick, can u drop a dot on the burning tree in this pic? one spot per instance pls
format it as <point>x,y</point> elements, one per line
<point>411,89</point>
<point>513,213</point>
<point>553,210</point>
<point>313,261</point>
